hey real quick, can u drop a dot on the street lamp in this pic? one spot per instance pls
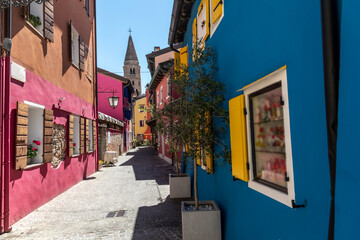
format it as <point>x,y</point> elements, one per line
<point>18,3</point>
<point>113,101</point>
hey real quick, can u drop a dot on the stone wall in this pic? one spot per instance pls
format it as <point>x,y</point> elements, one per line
<point>102,142</point>
<point>59,145</point>
<point>116,143</point>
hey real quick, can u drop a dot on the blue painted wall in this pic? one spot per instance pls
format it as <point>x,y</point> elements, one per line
<point>347,209</point>
<point>255,38</point>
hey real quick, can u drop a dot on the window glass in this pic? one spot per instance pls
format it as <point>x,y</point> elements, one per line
<point>76,140</point>
<point>91,142</point>
<point>87,7</point>
<point>161,94</point>
<point>36,16</point>
<point>35,135</point>
<point>75,47</point>
<point>268,138</point>
<point>168,86</point>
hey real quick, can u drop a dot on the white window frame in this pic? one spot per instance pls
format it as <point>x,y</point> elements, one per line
<point>76,135</point>
<point>38,11</point>
<point>168,86</point>
<point>36,130</point>
<point>214,26</point>
<point>157,98</point>
<point>285,198</point>
<point>90,136</point>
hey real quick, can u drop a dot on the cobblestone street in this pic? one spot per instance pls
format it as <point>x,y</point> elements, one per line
<point>127,201</point>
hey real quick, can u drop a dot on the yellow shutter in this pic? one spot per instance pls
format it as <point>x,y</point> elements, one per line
<point>238,138</point>
<point>177,62</point>
<point>194,33</point>
<point>216,10</point>
<point>184,56</point>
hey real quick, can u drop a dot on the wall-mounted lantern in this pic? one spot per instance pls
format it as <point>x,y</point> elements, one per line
<point>113,101</point>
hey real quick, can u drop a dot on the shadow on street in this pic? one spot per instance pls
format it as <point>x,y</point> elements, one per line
<point>162,221</point>
<point>148,166</point>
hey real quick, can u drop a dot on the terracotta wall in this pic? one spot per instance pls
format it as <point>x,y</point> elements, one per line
<point>166,99</point>
<point>52,61</point>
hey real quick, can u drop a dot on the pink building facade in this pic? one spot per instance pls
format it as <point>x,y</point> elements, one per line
<point>113,125</point>
<point>48,92</point>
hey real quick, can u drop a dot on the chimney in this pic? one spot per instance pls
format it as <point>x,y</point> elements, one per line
<point>157,48</point>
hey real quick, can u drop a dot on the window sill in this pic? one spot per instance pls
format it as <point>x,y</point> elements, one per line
<point>75,155</point>
<point>33,166</point>
<point>167,97</point>
<point>74,65</point>
<point>34,29</point>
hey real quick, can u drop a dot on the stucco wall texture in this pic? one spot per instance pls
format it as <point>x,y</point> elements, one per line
<point>165,98</point>
<point>106,86</point>
<point>32,187</point>
<point>138,115</point>
<point>52,61</point>
<point>253,39</point>
<point>50,75</point>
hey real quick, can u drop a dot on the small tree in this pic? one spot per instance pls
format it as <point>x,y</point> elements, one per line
<point>188,120</point>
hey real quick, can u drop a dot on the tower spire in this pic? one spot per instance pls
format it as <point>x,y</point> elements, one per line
<point>132,67</point>
<point>130,52</point>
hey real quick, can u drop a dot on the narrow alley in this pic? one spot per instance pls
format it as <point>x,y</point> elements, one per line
<point>127,201</point>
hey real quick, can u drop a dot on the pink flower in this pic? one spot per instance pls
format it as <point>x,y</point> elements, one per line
<point>74,144</point>
<point>34,149</point>
<point>37,142</point>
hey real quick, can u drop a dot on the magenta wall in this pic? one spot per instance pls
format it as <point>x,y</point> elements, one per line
<point>31,188</point>
<point>108,84</point>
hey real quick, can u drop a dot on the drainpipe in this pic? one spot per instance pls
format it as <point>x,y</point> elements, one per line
<point>331,58</point>
<point>7,119</point>
<point>172,48</point>
<point>2,139</point>
<point>96,92</point>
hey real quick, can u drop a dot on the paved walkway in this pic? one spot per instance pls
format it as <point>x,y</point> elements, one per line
<point>127,201</point>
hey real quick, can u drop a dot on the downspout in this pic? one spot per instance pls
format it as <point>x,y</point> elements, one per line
<point>172,48</point>
<point>7,116</point>
<point>331,59</point>
<point>96,97</point>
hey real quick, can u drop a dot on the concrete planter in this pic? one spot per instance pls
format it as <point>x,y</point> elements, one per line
<point>202,224</point>
<point>179,186</point>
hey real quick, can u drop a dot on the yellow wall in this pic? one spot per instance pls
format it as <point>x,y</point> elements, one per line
<point>140,116</point>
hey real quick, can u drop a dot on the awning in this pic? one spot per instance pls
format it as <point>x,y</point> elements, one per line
<point>104,117</point>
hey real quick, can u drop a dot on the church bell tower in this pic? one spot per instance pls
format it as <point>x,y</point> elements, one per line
<point>132,67</point>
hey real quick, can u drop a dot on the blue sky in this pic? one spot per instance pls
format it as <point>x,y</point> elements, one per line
<point>149,21</point>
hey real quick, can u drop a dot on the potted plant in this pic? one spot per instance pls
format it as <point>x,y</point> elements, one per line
<point>32,151</point>
<point>34,20</point>
<point>169,123</point>
<point>188,120</point>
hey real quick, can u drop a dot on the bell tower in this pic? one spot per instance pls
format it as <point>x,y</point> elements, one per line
<point>132,67</point>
